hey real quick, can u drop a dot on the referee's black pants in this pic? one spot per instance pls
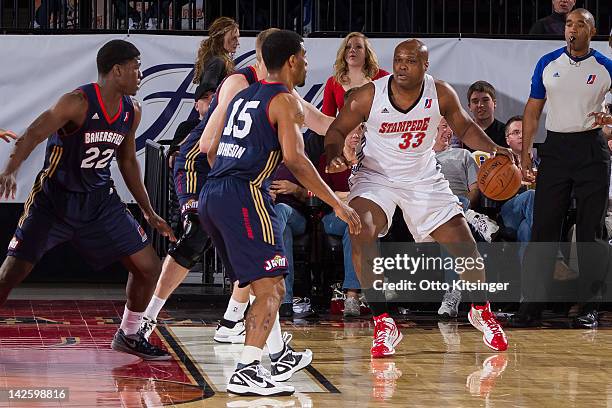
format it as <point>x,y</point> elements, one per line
<point>569,161</point>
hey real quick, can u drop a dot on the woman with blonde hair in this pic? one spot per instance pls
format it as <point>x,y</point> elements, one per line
<point>215,55</point>
<point>356,65</point>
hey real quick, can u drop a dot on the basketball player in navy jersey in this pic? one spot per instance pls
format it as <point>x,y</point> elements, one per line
<point>74,199</point>
<point>397,167</point>
<point>190,171</point>
<point>262,127</point>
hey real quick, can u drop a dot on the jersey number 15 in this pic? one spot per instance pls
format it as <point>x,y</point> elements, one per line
<point>244,116</point>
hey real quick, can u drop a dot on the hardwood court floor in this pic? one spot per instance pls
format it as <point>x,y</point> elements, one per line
<point>66,344</point>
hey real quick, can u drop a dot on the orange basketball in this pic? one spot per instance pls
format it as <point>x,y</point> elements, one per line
<point>498,178</point>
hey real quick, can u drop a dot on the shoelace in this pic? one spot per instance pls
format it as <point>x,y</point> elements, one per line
<point>381,331</point>
<point>286,339</point>
<point>263,372</point>
<point>147,325</point>
<point>451,300</point>
<point>492,323</point>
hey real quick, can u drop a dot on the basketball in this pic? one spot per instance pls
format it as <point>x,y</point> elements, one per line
<point>499,179</point>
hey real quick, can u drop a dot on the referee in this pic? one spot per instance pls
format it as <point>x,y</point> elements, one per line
<point>574,158</point>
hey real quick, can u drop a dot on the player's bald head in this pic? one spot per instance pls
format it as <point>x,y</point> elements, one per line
<point>583,14</point>
<point>414,47</point>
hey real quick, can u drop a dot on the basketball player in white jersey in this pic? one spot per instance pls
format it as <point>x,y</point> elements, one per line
<point>397,167</point>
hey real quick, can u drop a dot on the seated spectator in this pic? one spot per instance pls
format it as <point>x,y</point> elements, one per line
<point>460,170</point>
<point>289,197</point>
<point>202,101</point>
<point>333,225</point>
<point>517,212</point>
<point>554,24</point>
<point>356,65</point>
<point>482,103</point>
<point>132,19</point>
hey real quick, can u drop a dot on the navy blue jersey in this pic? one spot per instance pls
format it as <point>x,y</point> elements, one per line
<point>249,148</point>
<point>79,161</point>
<point>189,159</point>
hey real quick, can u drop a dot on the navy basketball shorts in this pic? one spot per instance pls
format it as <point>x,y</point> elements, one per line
<point>97,223</point>
<point>244,228</point>
<point>188,184</point>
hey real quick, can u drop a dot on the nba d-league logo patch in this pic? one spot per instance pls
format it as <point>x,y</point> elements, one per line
<point>275,263</point>
<point>142,233</point>
<point>14,243</point>
<point>427,103</point>
<point>591,79</point>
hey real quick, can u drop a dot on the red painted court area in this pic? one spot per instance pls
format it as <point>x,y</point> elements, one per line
<point>66,344</point>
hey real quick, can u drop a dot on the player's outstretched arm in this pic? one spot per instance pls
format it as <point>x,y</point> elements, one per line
<point>314,119</point>
<point>355,111</point>
<point>286,112</point>
<point>130,170</point>
<point>211,135</point>
<point>71,107</point>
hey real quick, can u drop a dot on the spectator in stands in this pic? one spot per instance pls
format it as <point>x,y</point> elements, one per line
<point>289,198</point>
<point>482,103</point>
<point>202,98</point>
<point>164,7</point>
<point>517,212</point>
<point>215,54</point>
<point>554,24</point>
<point>333,225</point>
<point>356,65</point>
<point>460,169</point>
<point>46,12</point>
<point>132,19</point>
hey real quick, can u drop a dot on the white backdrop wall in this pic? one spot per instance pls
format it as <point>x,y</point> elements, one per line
<point>36,70</point>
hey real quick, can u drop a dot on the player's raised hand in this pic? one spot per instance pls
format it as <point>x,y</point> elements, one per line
<point>350,216</point>
<point>8,185</point>
<point>7,135</point>
<point>161,226</point>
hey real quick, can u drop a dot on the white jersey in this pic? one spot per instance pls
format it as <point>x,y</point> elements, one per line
<point>398,145</point>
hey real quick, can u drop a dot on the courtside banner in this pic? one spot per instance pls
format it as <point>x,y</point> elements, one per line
<point>38,69</point>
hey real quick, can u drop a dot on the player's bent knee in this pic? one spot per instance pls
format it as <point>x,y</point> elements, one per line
<point>14,270</point>
<point>191,245</point>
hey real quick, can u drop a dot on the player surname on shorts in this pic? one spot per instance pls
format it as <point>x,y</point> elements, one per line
<point>426,285</point>
<point>230,150</point>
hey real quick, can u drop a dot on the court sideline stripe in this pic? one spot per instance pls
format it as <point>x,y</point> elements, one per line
<point>189,364</point>
<point>322,380</point>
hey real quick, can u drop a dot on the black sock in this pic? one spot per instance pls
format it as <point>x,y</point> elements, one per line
<point>376,300</point>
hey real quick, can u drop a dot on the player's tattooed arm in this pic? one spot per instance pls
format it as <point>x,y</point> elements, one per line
<point>71,108</point>
<point>287,114</point>
<point>130,170</point>
<point>355,111</point>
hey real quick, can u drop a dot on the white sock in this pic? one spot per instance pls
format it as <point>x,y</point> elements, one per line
<point>155,306</point>
<point>235,310</point>
<point>275,341</point>
<point>131,321</point>
<point>250,354</point>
